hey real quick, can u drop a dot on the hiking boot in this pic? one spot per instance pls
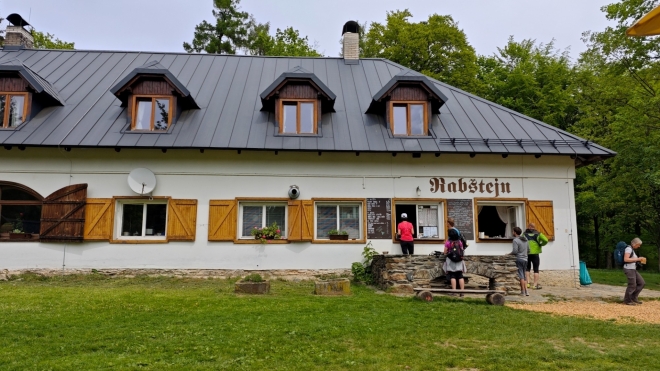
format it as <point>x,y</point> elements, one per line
<point>630,303</point>
<point>638,302</point>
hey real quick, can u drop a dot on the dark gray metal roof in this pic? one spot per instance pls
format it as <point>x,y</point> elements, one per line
<point>156,69</point>
<point>227,89</point>
<point>39,84</point>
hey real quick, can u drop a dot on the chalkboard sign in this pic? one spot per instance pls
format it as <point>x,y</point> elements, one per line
<point>462,212</point>
<point>379,218</point>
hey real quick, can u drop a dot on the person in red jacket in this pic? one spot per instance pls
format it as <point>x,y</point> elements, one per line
<point>406,231</point>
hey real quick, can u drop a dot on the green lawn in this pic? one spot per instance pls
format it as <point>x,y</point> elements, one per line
<point>91,323</point>
<point>617,278</point>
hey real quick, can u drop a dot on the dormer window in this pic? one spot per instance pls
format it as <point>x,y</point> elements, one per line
<point>152,113</point>
<point>13,109</point>
<point>298,116</point>
<point>408,118</point>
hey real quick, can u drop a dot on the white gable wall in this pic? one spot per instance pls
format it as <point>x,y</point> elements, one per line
<point>227,174</point>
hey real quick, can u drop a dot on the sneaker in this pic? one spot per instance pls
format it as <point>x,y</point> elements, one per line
<point>528,285</point>
<point>537,287</point>
<point>526,293</point>
<point>638,302</point>
<point>630,303</point>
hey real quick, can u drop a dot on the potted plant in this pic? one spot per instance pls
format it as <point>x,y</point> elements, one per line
<point>337,235</point>
<point>17,233</point>
<point>252,284</point>
<point>267,233</point>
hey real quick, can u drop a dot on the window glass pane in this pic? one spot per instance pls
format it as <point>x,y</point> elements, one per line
<point>25,218</point>
<point>252,217</point>
<point>349,220</point>
<point>289,125</point>
<point>3,100</point>
<point>162,114</point>
<point>13,194</point>
<point>417,119</point>
<point>143,117</point>
<point>16,110</point>
<point>131,224</point>
<point>400,119</point>
<point>326,219</point>
<point>429,225</point>
<point>307,117</point>
<point>156,220</point>
<point>275,214</point>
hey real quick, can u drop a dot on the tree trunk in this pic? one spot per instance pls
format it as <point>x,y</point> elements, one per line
<point>597,239</point>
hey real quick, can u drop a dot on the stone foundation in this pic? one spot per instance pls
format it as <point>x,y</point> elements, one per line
<point>565,278</point>
<point>403,273</point>
<point>286,274</point>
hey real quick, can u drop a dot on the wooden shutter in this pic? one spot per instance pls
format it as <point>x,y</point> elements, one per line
<point>63,214</point>
<point>181,220</point>
<point>307,216</point>
<point>294,219</point>
<point>542,215</point>
<point>99,219</point>
<point>222,220</point>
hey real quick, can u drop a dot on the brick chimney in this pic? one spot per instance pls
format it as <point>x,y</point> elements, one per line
<point>17,36</point>
<point>351,42</point>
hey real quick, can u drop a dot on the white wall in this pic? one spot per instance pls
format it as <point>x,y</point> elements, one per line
<point>227,174</point>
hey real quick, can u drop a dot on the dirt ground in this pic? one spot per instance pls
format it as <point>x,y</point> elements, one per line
<point>595,301</point>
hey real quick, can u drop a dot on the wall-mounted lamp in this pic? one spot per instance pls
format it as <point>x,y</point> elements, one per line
<point>419,192</point>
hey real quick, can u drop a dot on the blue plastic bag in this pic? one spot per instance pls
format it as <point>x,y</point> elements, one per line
<point>584,275</point>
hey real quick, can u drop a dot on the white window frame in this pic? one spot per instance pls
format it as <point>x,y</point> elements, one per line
<point>283,228</point>
<point>520,206</point>
<point>337,204</point>
<point>441,218</point>
<point>119,218</point>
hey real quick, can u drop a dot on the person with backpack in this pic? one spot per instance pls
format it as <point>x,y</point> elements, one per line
<point>520,250</point>
<point>450,225</point>
<point>406,231</point>
<point>635,281</point>
<point>536,241</point>
<point>454,266</point>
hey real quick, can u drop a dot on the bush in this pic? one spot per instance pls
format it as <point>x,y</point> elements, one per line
<point>362,270</point>
<point>254,277</point>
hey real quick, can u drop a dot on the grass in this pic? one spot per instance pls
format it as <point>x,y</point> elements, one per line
<point>617,278</point>
<point>96,323</point>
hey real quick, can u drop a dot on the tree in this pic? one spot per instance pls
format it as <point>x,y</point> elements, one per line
<point>536,80</point>
<point>49,41</point>
<point>229,32</point>
<point>288,42</point>
<point>435,47</point>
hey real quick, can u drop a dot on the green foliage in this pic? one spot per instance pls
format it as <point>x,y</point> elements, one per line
<point>235,30</point>
<point>264,234</point>
<point>254,277</point>
<point>334,232</point>
<point>362,270</point>
<point>18,223</point>
<point>161,323</point>
<point>49,41</point>
<point>435,47</point>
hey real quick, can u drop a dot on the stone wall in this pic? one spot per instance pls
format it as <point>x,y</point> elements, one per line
<point>287,274</point>
<point>403,273</point>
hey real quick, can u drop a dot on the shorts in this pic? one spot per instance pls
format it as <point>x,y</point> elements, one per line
<point>533,259</point>
<point>455,275</point>
<point>521,265</point>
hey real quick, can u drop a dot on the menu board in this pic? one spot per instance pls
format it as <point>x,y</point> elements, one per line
<point>462,212</point>
<point>379,218</point>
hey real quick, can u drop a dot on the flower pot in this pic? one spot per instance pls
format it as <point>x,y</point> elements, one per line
<point>20,236</point>
<point>339,237</point>
<point>338,286</point>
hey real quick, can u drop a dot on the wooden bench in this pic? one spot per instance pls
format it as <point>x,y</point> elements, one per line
<point>493,297</point>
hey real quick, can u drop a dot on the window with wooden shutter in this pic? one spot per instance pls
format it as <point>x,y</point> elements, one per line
<point>99,217</point>
<point>542,215</point>
<point>63,214</point>
<point>307,217</point>
<point>181,220</point>
<point>294,232</point>
<point>222,220</point>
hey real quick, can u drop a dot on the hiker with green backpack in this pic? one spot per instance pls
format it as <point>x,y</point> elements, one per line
<point>536,241</point>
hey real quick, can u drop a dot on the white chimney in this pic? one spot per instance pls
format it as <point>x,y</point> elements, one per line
<point>16,34</point>
<point>351,42</point>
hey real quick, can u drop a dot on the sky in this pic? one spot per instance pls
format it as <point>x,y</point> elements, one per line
<point>163,25</point>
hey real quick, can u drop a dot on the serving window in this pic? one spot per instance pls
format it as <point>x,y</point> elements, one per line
<point>426,215</point>
<point>496,219</point>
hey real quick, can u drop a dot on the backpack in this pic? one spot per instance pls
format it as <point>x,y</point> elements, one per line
<point>455,252</point>
<point>619,252</point>
<point>461,238</point>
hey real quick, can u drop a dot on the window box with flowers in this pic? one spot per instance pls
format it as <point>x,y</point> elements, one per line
<point>334,234</point>
<point>265,234</point>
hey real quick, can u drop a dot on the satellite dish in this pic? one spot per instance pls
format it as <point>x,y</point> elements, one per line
<point>142,181</point>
